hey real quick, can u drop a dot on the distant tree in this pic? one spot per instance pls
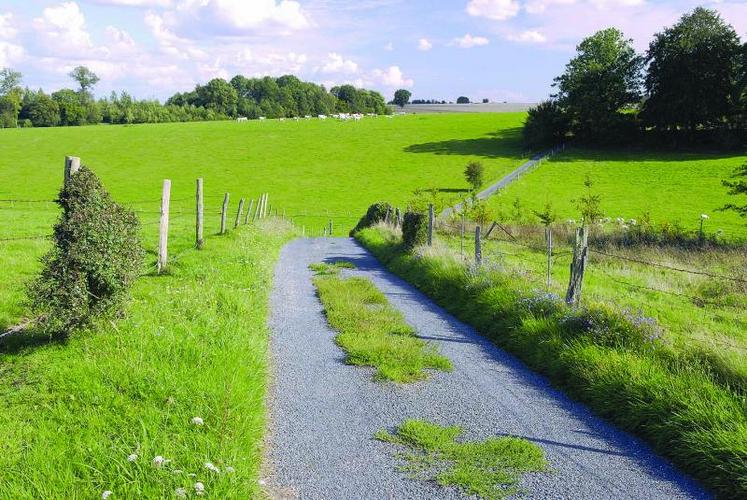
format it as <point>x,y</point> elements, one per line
<point>41,109</point>
<point>546,125</point>
<point>599,82</point>
<point>485,101</point>
<point>218,95</point>
<point>10,106</point>
<point>402,97</point>
<point>86,79</point>
<point>590,203</point>
<point>463,100</point>
<point>72,111</point>
<point>692,69</point>
<point>9,81</point>
<point>474,172</point>
<point>738,187</point>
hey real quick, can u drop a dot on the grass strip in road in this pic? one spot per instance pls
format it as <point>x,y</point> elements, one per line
<point>371,331</point>
<point>489,469</point>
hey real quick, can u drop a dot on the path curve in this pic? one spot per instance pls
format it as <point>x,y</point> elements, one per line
<point>323,413</point>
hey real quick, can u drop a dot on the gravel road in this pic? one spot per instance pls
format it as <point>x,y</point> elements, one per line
<point>323,413</point>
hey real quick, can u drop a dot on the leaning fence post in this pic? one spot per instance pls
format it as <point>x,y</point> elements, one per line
<point>72,165</point>
<point>223,214</point>
<point>478,246</point>
<point>430,224</point>
<point>163,230</point>
<point>578,267</point>
<point>238,213</point>
<point>200,210</point>
<point>249,211</point>
<point>548,240</point>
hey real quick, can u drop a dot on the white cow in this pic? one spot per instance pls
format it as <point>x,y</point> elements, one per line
<point>322,117</point>
<point>241,119</point>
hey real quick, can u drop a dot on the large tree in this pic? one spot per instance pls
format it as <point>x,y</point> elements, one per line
<point>9,81</point>
<point>86,79</point>
<point>693,68</point>
<point>218,95</point>
<point>599,83</point>
<point>402,97</point>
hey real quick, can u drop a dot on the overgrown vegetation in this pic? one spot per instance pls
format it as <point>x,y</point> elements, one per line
<point>490,469</point>
<point>689,406</point>
<point>372,332</point>
<point>105,403</point>
<point>376,213</point>
<point>96,258</point>
<point>414,229</point>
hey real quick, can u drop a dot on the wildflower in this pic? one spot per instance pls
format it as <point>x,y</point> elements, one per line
<point>571,222</point>
<point>106,494</point>
<point>132,457</point>
<point>158,461</point>
<point>632,222</point>
<point>620,220</point>
<point>197,421</point>
<point>212,468</point>
<point>199,488</point>
<point>704,216</point>
<point>230,470</point>
<point>181,493</point>
<point>177,471</point>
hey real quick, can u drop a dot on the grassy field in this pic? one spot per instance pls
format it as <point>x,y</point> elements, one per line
<point>313,169</point>
<point>192,344</point>
<point>671,187</point>
<point>689,406</point>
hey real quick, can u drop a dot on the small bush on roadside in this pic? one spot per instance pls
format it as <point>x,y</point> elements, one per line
<point>414,230</point>
<point>376,213</point>
<point>96,257</point>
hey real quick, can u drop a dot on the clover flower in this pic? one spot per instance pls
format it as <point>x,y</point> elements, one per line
<point>181,493</point>
<point>197,421</point>
<point>158,461</point>
<point>199,488</point>
<point>106,494</point>
<point>212,468</point>
<point>132,457</point>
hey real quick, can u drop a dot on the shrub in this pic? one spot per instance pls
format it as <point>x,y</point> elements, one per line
<point>96,258</point>
<point>414,230</point>
<point>376,213</point>
<point>546,125</point>
<point>474,172</point>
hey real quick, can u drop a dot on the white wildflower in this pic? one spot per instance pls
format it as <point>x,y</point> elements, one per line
<point>632,222</point>
<point>212,468</point>
<point>181,493</point>
<point>620,220</point>
<point>230,470</point>
<point>106,494</point>
<point>199,488</point>
<point>624,227</point>
<point>132,457</point>
<point>197,421</point>
<point>704,216</point>
<point>177,471</point>
<point>158,461</point>
<point>571,221</point>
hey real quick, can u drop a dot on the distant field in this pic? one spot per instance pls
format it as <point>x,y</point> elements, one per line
<point>671,187</point>
<point>315,170</point>
<point>492,107</point>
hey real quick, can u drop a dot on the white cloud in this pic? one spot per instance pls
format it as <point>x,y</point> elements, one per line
<point>424,44</point>
<point>389,47</point>
<point>391,77</point>
<point>10,53</point>
<point>7,31</point>
<point>529,36</point>
<point>136,3</point>
<point>62,29</point>
<point>241,16</point>
<point>468,41</point>
<point>498,10</point>
<point>337,64</point>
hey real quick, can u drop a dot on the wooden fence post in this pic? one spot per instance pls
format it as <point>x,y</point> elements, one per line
<point>387,216</point>
<point>578,267</point>
<point>249,211</point>
<point>238,213</point>
<point>72,165</point>
<point>200,200</point>
<point>259,208</point>
<point>223,214</point>
<point>461,246</point>
<point>431,216</point>
<point>163,230</point>
<point>331,226</point>
<point>478,246</point>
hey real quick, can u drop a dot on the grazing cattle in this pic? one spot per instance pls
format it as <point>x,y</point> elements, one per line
<point>241,119</point>
<point>322,117</point>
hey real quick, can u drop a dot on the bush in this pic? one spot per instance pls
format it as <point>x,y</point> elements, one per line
<point>414,230</point>
<point>376,213</point>
<point>546,125</point>
<point>96,258</point>
<point>474,172</point>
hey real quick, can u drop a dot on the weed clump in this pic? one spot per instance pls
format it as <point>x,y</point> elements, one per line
<point>414,230</point>
<point>96,257</point>
<point>376,213</point>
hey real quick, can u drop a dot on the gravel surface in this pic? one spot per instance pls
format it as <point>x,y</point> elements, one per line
<point>323,413</point>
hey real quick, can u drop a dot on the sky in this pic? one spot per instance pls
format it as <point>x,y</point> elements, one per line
<point>502,50</point>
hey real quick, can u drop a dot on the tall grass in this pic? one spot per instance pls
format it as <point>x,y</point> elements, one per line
<point>611,361</point>
<point>193,343</point>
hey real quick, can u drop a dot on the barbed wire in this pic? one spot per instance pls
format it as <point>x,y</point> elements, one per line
<point>21,238</point>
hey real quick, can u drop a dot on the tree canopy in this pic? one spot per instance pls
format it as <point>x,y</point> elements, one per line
<point>401,97</point>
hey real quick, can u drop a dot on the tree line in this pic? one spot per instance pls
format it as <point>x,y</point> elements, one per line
<point>218,99</point>
<point>689,86</point>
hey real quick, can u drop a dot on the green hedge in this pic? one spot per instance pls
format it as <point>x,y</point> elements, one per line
<point>613,362</point>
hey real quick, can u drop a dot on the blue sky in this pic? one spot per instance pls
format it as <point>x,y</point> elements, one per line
<point>504,50</point>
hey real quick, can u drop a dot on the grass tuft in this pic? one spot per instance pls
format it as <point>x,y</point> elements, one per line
<point>490,469</point>
<point>372,332</point>
<point>325,269</point>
